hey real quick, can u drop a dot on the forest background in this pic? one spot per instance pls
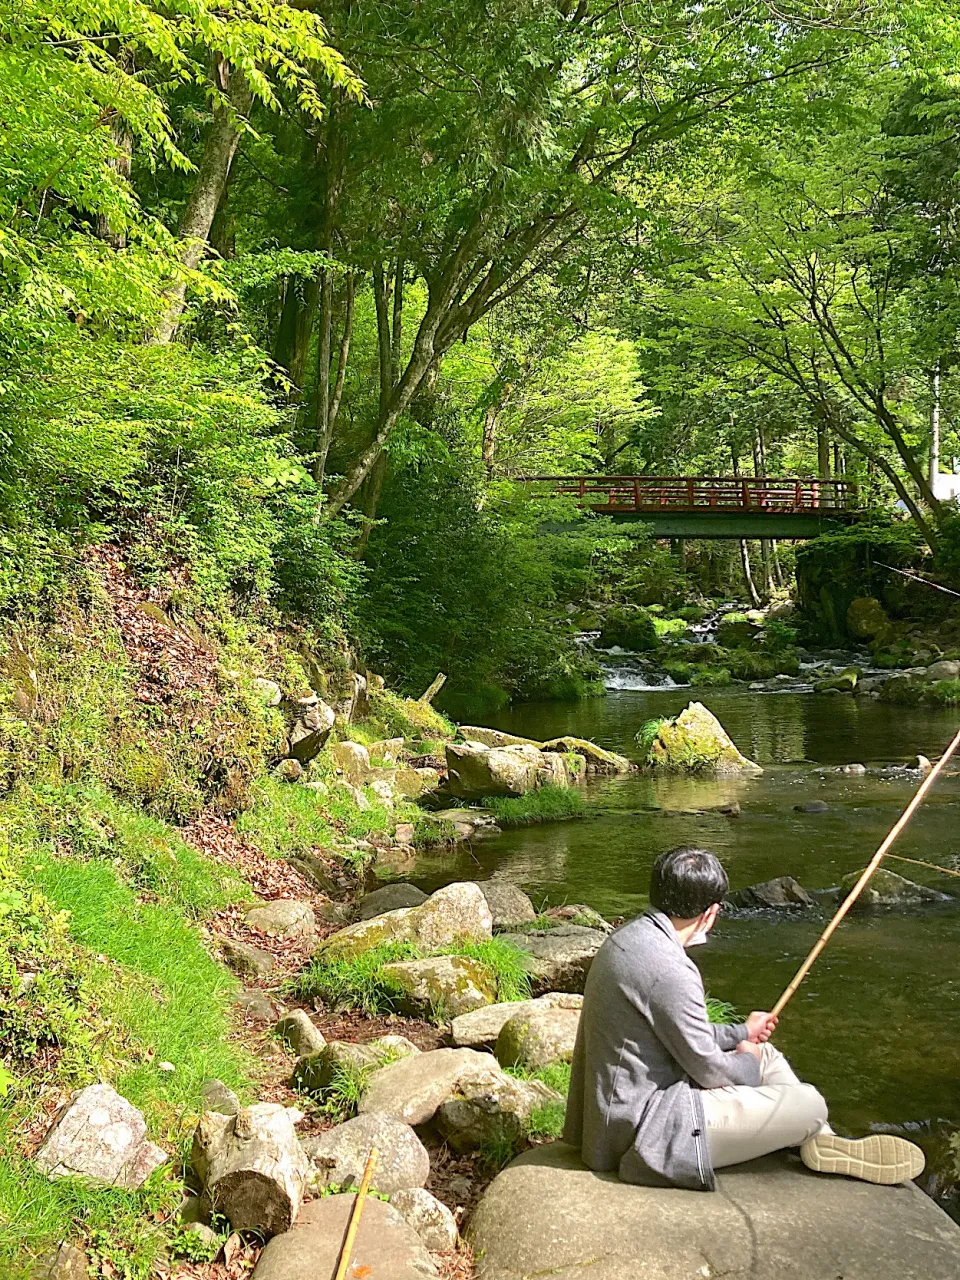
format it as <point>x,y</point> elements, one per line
<point>292,296</point>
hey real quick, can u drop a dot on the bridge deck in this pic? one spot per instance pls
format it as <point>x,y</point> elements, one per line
<point>714,506</point>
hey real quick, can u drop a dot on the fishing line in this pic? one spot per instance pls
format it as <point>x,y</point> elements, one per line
<point>868,871</point>
<point>915,577</point>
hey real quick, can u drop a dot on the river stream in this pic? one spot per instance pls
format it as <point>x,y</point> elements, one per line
<point>877,1024</point>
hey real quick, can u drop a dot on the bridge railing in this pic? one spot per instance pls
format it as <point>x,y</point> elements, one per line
<point>699,493</point>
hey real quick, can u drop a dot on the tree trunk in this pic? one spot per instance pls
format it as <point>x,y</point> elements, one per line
<point>292,344</point>
<point>252,1167</point>
<point>934,467</point>
<point>212,173</point>
<point>823,448</point>
<point>748,575</point>
<point>343,356</point>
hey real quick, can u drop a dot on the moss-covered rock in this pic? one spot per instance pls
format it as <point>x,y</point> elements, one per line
<point>737,629</point>
<point>629,628</point>
<point>844,682</point>
<point>458,911</point>
<point>451,984</point>
<point>867,618</point>
<point>598,759</point>
<point>694,741</point>
<point>887,889</point>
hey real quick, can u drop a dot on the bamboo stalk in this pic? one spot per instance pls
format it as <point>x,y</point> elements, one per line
<point>931,866</point>
<point>868,871</point>
<point>354,1223</point>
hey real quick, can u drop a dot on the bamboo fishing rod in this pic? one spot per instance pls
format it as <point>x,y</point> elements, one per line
<point>868,871</point>
<point>347,1249</point>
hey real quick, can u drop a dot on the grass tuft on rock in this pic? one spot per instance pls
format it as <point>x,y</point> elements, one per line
<point>358,982</point>
<point>549,804</point>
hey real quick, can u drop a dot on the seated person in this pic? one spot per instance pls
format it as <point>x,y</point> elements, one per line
<point>663,1096</point>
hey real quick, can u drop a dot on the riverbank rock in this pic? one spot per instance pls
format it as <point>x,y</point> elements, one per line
<point>392,897</point>
<point>312,726</point>
<point>352,760</point>
<point>64,1262</point>
<point>481,1028</point>
<point>490,1109</point>
<point>944,670</point>
<point>580,913</point>
<point>458,911</point>
<point>475,771</point>
<point>316,1072</point>
<point>415,1087</point>
<point>338,1157</point>
<point>247,960</point>
<point>101,1138</point>
<point>508,904</point>
<point>887,889</point>
<point>448,984</point>
<point>695,741</point>
<point>538,1039</point>
<point>283,918</point>
<point>298,1033</point>
<point>782,892</point>
<point>469,824</point>
<point>385,1247</point>
<point>558,959</point>
<point>598,759</point>
<point>495,737</point>
<point>251,1167</point>
<point>430,1218</point>
<point>545,1214</point>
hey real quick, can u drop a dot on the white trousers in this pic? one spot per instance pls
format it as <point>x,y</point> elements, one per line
<point>748,1121</point>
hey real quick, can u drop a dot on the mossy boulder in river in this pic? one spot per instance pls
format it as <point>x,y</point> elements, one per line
<point>845,682</point>
<point>887,889</point>
<point>476,771</point>
<point>598,759</point>
<point>629,628</point>
<point>867,619</point>
<point>695,741</point>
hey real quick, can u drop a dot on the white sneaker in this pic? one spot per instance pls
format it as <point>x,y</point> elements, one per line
<point>882,1158</point>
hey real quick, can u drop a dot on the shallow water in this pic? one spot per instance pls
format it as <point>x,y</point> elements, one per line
<point>877,1024</point>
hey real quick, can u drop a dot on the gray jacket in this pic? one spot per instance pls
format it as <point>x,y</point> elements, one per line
<point>644,1051</point>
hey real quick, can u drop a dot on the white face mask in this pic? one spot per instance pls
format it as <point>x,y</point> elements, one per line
<point>699,938</point>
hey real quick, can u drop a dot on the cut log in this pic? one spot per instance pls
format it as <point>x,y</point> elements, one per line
<point>252,1167</point>
<point>436,685</point>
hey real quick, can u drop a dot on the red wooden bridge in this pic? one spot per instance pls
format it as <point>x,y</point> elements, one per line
<point>713,506</point>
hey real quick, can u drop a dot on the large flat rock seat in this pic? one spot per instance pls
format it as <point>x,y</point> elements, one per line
<point>546,1215</point>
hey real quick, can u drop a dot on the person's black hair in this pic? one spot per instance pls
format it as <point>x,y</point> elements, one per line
<point>684,882</point>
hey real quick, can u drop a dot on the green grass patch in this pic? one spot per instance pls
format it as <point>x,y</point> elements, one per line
<point>549,804</point>
<point>721,1011</point>
<point>354,982</point>
<point>286,821</point>
<point>104,975</point>
<point>944,693</point>
<point>392,716</point>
